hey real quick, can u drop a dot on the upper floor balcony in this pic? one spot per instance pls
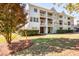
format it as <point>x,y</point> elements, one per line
<point>49,15</point>
<point>42,13</point>
<point>42,21</point>
<point>50,22</point>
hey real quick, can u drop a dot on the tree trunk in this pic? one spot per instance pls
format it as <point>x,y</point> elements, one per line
<point>26,34</point>
<point>8,38</point>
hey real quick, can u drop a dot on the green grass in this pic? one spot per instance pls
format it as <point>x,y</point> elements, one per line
<point>43,46</point>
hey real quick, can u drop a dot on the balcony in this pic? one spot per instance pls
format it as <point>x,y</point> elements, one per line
<point>49,15</point>
<point>42,21</point>
<point>50,24</point>
<point>42,24</point>
<point>42,13</point>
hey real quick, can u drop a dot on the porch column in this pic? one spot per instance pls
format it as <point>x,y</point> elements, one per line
<point>46,29</point>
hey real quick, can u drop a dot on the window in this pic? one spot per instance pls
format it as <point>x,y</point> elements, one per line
<point>61,28</point>
<point>60,16</point>
<point>68,23</point>
<point>34,19</point>
<point>68,18</point>
<point>60,22</point>
<point>31,19</point>
<point>35,10</point>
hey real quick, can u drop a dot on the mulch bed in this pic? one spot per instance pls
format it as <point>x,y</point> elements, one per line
<point>8,49</point>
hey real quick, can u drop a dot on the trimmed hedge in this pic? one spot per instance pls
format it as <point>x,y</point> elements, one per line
<point>64,31</point>
<point>28,32</point>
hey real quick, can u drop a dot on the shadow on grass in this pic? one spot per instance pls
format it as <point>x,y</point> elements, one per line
<point>43,46</point>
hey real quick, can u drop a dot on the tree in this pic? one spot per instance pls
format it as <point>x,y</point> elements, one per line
<point>72,7</point>
<point>12,17</point>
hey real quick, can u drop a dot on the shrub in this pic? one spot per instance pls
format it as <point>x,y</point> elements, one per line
<point>64,31</point>
<point>28,32</point>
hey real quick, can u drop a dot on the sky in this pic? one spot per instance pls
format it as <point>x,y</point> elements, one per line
<point>49,6</point>
<point>58,9</point>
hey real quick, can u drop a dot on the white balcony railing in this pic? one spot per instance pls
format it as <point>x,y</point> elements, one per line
<point>42,14</point>
<point>50,16</point>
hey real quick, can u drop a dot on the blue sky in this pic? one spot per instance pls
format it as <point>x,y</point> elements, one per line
<point>50,5</point>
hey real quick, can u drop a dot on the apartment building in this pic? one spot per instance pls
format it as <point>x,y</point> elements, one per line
<point>77,26</point>
<point>47,20</point>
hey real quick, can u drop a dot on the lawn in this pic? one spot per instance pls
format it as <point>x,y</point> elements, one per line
<point>52,45</point>
<point>70,36</point>
<point>48,46</point>
<point>16,36</point>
